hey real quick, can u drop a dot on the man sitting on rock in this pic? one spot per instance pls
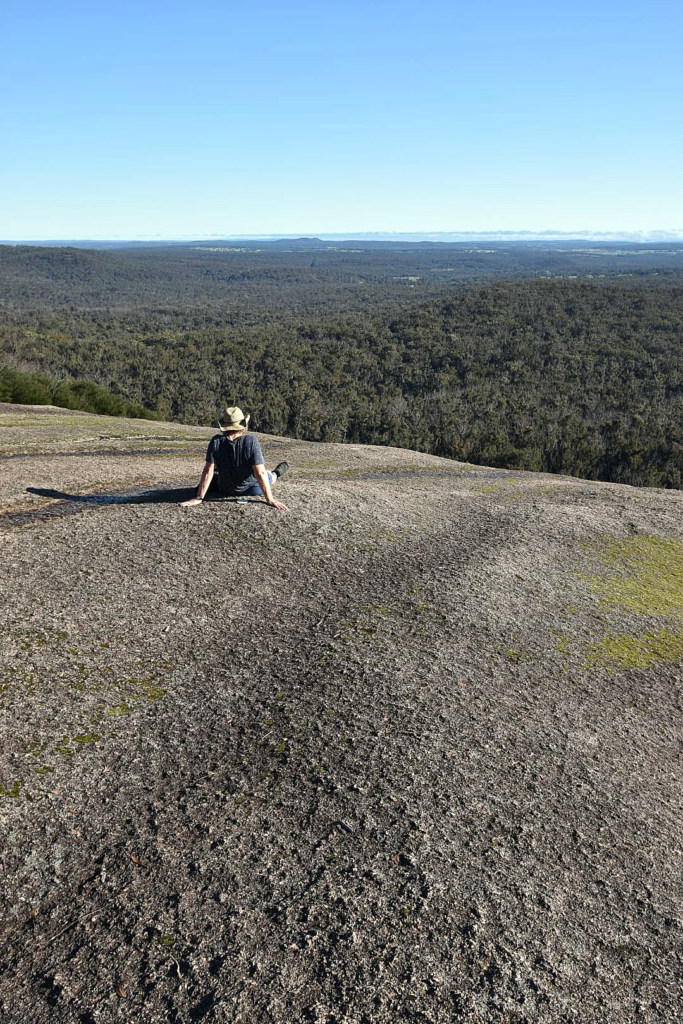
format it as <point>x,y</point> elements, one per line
<point>234,464</point>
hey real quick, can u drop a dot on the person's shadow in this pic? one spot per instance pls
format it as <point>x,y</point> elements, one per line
<point>155,496</point>
<point>121,498</point>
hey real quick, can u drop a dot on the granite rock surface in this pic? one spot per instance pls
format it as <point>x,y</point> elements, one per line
<point>409,751</point>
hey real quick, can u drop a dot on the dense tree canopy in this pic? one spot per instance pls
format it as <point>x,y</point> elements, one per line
<point>562,375</point>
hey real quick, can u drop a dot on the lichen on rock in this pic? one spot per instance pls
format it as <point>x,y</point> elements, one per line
<point>642,574</point>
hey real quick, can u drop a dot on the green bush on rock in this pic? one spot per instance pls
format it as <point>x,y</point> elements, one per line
<point>80,395</point>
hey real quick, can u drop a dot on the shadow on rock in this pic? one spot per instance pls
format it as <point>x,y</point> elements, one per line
<point>137,497</point>
<point>69,504</point>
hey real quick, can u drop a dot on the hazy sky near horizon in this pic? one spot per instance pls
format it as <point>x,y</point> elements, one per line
<point>144,119</point>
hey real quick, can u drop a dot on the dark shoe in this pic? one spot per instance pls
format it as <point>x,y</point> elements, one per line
<point>280,469</point>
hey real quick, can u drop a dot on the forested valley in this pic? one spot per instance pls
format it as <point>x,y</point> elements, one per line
<point>518,357</point>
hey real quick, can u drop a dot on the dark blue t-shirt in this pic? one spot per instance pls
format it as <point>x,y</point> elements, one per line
<point>234,461</point>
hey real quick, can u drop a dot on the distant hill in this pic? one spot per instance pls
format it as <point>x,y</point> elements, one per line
<point>45,277</point>
<point>289,275</point>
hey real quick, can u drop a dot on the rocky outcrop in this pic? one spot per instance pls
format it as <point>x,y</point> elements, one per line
<point>408,751</point>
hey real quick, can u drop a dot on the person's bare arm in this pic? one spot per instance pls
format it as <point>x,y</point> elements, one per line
<point>261,475</point>
<point>206,479</point>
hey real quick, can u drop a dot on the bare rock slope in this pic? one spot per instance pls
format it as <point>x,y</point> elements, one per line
<point>407,752</point>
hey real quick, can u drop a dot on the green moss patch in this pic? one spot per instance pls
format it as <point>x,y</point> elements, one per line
<point>11,791</point>
<point>500,484</point>
<point>642,574</point>
<point>627,651</point>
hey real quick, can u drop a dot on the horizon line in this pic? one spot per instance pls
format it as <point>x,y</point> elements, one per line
<point>653,235</point>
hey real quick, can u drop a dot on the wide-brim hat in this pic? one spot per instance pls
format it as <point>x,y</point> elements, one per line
<point>233,420</point>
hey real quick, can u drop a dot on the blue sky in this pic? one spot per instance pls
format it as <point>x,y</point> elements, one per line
<point>146,119</point>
